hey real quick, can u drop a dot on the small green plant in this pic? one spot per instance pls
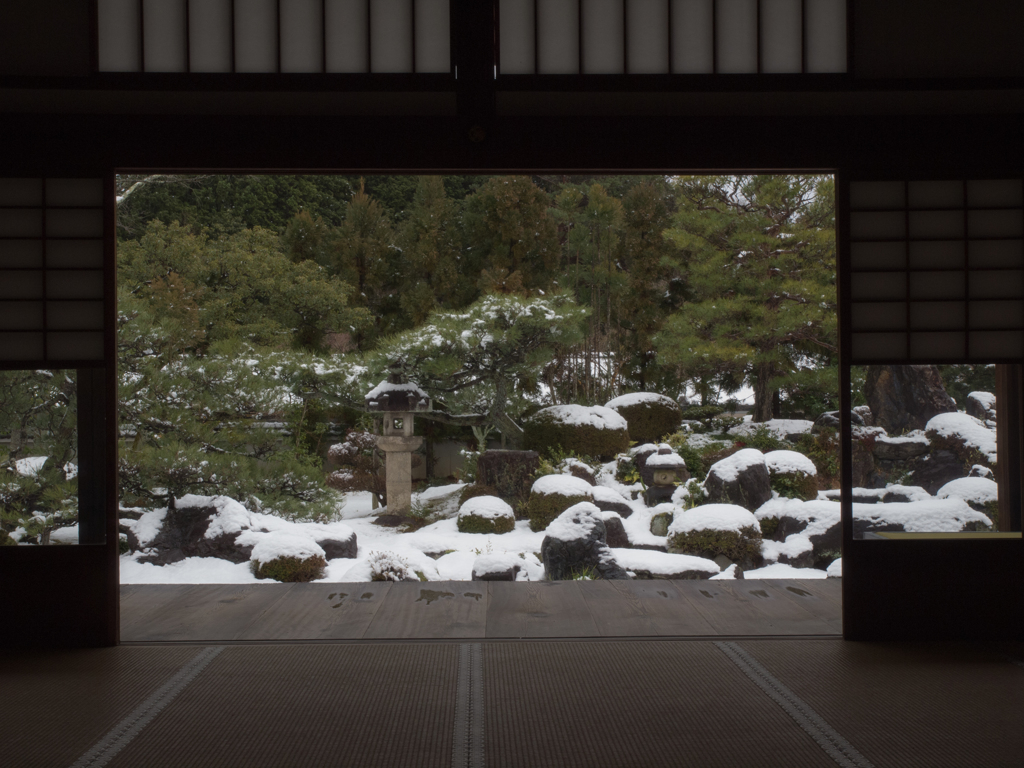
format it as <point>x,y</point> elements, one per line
<point>485,550</point>
<point>823,450</point>
<point>584,573</point>
<point>290,569</point>
<point>764,439</point>
<point>769,526</point>
<point>626,471</point>
<point>387,566</point>
<point>795,485</point>
<point>694,494</point>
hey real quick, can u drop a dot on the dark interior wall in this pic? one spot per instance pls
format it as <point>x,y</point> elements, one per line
<point>938,38</point>
<point>46,37</point>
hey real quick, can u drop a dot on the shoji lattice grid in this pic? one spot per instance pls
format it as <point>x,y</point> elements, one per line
<point>572,37</point>
<point>51,270</point>
<point>937,270</point>
<point>291,36</point>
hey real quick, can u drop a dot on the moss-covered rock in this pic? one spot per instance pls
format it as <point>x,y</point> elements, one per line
<point>577,429</point>
<point>660,523</point>
<point>551,495</point>
<point>650,416</point>
<point>717,529</point>
<point>486,514</point>
<point>291,569</point>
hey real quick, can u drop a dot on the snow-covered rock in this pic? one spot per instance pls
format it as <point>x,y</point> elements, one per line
<point>740,479</point>
<point>981,493</point>
<point>966,430</point>
<point>789,462</point>
<point>796,550</point>
<point>982,406</point>
<point>717,530</point>
<point>728,574</point>
<point>609,500</point>
<point>575,544</point>
<point>647,564</point>
<point>782,571</point>
<point>835,570</point>
<point>496,567</point>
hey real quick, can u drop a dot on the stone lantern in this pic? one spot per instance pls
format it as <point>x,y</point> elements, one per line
<point>398,400</point>
<point>668,470</point>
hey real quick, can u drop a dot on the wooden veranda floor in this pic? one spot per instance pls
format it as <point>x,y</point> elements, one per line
<point>479,610</point>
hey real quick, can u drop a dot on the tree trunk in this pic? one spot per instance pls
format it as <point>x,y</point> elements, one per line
<point>764,395</point>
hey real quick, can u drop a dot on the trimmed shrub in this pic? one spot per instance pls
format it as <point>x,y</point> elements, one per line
<point>552,495</point>
<point>290,569</point>
<point>650,416</point>
<point>576,429</point>
<point>486,514</point>
<point>741,547</point>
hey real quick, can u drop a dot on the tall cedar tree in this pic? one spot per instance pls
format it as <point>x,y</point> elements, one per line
<point>760,258</point>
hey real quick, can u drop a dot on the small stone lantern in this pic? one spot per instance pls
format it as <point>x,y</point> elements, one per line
<point>398,400</point>
<point>668,470</point>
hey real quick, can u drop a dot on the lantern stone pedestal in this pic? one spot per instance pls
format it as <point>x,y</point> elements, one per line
<point>398,470</point>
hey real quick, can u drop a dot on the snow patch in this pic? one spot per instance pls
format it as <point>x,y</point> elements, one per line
<point>789,462</point>
<point>729,468</point>
<point>784,571</point>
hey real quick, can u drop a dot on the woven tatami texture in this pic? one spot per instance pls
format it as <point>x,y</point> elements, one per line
<point>632,704</point>
<point>309,705</point>
<point>903,705</point>
<point>55,704</point>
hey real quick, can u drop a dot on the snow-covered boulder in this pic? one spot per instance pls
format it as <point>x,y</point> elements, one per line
<point>982,406</point>
<point>792,474</point>
<point>338,541</point>
<point>650,416</point>
<point>551,495</point>
<point>575,546</point>
<point>609,500</point>
<point>647,564</point>
<point>949,515</point>
<point>615,531</point>
<point>796,550</point>
<point>576,468</point>
<point>583,430</point>
<point>783,571</point>
<point>715,530</point>
<point>740,479</point>
<point>818,520</point>
<point>835,570</point>
<point>900,449</point>
<point>496,567</point>
<point>197,526</point>
<point>290,557</point>
<point>965,436</point>
<point>981,493</point>
<point>486,514</point>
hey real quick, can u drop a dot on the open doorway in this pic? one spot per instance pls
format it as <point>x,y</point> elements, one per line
<point>545,379</point>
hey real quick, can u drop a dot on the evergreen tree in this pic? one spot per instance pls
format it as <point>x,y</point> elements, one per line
<point>759,254</point>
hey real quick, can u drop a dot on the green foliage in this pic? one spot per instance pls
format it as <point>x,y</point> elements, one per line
<point>823,450</point>
<point>290,569</point>
<point>626,470</point>
<point>740,547</point>
<point>764,439</point>
<point>795,485</point>
<point>469,523</point>
<point>651,420</point>
<point>769,526</point>
<point>961,380</point>
<point>6,540</point>
<point>542,508</point>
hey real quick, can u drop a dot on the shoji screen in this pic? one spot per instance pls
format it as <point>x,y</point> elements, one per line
<point>672,36</point>
<point>291,36</point>
<point>51,270</point>
<point>937,270</point>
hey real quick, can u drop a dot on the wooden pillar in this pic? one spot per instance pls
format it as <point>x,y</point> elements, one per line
<point>1008,445</point>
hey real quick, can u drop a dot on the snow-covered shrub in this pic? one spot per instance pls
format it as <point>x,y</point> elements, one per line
<point>792,475</point>
<point>486,514</point>
<point>717,529</point>
<point>387,566</point>
<point>287,557</point>
<point>551,495</point>
<point>577,429</point>
<point>650,416</point>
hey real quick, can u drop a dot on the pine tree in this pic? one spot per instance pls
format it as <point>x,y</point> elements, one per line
<point>759,254</point>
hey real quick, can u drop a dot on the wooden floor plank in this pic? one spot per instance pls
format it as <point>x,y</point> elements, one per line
<point>439,609</point>
<point>319,611</point>
<point>538,609</point>
<point>780,615</point>
<point>617,612</point>
<point>830,590</point>
<point>723,609</point>
<point>670,612</point>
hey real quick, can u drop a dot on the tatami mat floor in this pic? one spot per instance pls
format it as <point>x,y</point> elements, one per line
<point>609,703</point>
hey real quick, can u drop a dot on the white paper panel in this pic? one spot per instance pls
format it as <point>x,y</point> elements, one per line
<point>74,192</point>
<point>937,315</point>
<point>878,346</point>
<point>736,31</point>
<point>995,253</point>
<point>865,256</point>
<point>936,224</point>
<point>21,192</point>
<point>74,222</point>
<point>781,36</point>
<point>209,27</point>
<point>941,254</point>
<point>989,345</point>
<point>74,315</point>
<point>995,223</point>
<point>21,315</point>
<point>74,346</point>
<point>391,35</point>
<point>558,37</point>
<point>83,254</point>
<point>936,346</point>
<point>866,195</point>
<point>998,284</point>
<point>995,193</point>
<point>26,222</point>
<point>74,284</point>
<point>936,194</point>
<point>996,314</point>
<point>647,37</point>
<point>21,254</point>
<point>433,36</point>
<point>937,285</point>
<point>877,226</point>
<point>516,42</point>
<point>868,316</point>
<point>693,37</point>
<point>120,42</point>
<point>164,35</point>
<point>301,36</point>
<point>826,35</point>
<point>21,346</point>
<point>347,39</point>
<point>876,286</point>
<point>255,35</point>
<point>21,285</point>
<point>603,37</point>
